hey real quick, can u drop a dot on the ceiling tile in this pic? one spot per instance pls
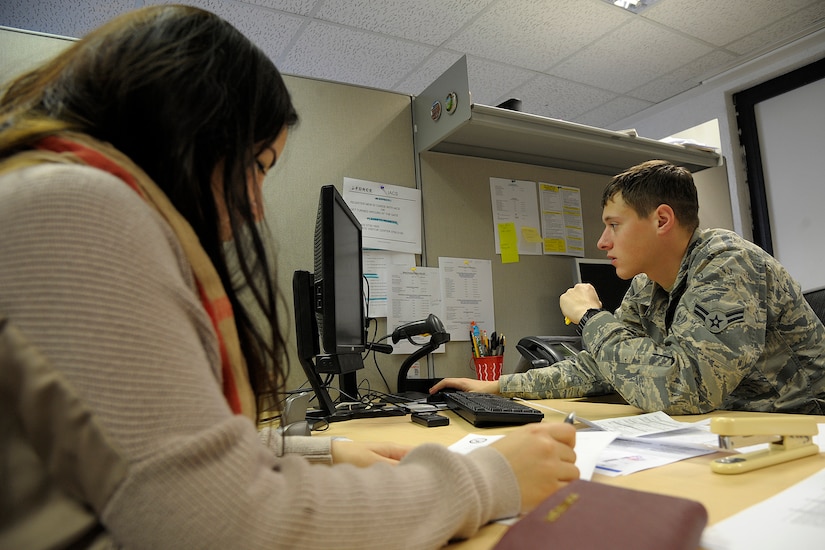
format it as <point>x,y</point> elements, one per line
<point>562,59</point>
<point>683,78</point>
<point>635,54</point>
<point>528,34</point>
<point>428,21</point>
<point>269,30</point>
<point>342,54</point>
<point>558,98</point>
<point>298,7</point>
<point>491,82</point>
<point>811,18</point>
<point>720,22</point>
<point>425,74</point>
<point>84,15</point>
<point>613,111</point>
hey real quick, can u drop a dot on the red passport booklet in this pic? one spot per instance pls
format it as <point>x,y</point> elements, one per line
<point>588,515</point>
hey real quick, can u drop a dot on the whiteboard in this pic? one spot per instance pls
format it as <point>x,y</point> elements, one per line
<point>791,129</point>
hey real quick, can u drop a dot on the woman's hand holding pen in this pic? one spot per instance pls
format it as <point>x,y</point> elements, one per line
<point>542,458</point>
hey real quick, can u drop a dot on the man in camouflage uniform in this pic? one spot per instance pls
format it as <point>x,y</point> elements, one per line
<point>710,321</point>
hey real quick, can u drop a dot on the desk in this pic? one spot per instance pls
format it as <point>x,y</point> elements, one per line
<point>722,495</point>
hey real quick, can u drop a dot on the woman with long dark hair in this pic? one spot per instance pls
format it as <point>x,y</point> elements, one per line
<point>131,169</point>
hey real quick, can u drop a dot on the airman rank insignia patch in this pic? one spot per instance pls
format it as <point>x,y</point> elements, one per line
<point>717,320</point>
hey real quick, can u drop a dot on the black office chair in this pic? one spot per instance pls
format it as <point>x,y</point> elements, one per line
<point>817,300</point>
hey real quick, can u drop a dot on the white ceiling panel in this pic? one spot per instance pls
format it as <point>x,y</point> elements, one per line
<point>559,98</point>
<point>777,33</point>
<point>631,56</point>
<point>585,61</point>
<point>492,82</point>
<point>344,54</point>
<point>720,22</point>
<point>428,21</point>
<point>682,79</point>
<point>613,111</point>
<point>528,33</point>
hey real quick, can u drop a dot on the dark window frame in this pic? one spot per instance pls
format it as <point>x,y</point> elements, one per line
<point>744,104</point>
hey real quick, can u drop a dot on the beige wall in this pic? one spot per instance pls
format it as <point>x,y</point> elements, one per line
<point>458,223</point>
<point>344,131</point>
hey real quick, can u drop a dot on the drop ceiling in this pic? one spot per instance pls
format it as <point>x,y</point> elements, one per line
<point>582,61</point>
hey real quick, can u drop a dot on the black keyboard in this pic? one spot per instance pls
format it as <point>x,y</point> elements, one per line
<point>486,409</point>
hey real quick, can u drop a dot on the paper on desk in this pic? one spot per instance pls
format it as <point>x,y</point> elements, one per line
<point>589,446</point>
<point>652,440</point>
<point>641,424</point>
<point>628,455</point>
<point>471,442</point>
<point>791,519</point>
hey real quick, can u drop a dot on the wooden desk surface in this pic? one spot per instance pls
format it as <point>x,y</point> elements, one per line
<point>722,495</point>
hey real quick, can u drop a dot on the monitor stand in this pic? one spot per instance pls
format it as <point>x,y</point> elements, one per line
<point>306,329</point>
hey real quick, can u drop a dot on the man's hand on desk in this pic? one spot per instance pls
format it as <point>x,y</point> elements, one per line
<point>467,384</point>
<point>364,454</point>
<point>542,457</point>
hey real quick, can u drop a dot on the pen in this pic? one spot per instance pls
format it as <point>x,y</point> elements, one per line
<point>570,418</point>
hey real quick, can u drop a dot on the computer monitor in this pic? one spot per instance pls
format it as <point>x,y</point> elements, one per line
<point>602,275</point>
<point>338,292</point>
<point>330,309</point>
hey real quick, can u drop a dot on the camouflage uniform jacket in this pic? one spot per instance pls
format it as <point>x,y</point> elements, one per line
<point>735,333</point>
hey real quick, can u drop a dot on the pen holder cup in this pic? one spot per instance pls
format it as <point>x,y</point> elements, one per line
<point>488,368</point>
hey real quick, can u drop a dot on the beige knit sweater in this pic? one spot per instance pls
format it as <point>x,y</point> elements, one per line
<point>98,284</point>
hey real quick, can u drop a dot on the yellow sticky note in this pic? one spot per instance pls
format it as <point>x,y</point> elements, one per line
<point>508,239</point>
<point>530,235</point>
<point>555,245</point>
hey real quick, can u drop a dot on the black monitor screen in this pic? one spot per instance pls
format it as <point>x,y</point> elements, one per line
<point>602,275</point>
<point>339,302</point>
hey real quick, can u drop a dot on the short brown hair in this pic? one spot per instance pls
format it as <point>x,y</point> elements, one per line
<point>645,186</point>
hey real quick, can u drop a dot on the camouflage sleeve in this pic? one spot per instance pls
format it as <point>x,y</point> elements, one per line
<point>562,380</point>
<point>717,334</point>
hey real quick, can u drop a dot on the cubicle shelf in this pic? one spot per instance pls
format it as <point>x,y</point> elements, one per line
<point>502,134</point>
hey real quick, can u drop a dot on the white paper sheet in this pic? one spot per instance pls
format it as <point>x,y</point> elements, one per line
<point>390,215</point>
<point>795,518</point>
<point>467,295</point>
<point>516,202</point>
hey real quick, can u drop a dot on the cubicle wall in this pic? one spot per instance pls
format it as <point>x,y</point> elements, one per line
<point>344,131</point>
<point>459,223</point>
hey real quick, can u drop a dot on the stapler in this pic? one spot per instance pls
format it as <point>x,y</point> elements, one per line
<point>790,437</point>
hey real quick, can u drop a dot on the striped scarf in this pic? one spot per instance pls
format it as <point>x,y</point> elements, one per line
<point>81,149</point>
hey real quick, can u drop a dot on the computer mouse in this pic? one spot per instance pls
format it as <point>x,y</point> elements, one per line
<point>438,397</point>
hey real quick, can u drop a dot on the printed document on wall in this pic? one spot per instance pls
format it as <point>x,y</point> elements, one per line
<point>390,215</point>
<point>467,295</point>
<point>377,277</point>
<point>515,201</point>
<point>415,292</point>
<point>561,220</point>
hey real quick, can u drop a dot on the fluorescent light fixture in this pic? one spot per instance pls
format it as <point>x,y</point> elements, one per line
<point>633,6</point>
